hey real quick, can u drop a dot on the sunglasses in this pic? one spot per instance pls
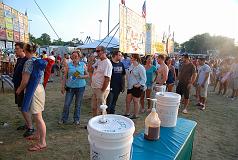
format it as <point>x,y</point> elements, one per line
<point>98,51</point>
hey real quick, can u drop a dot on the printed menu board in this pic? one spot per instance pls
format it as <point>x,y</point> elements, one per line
<point>132,31</point>
<point>9,35</point>
<point>7,11</point>
<point>1,10</point>
<point>16,36</point>
<point>3,34</point>
<point>9,24</point>
<point>2,23</point>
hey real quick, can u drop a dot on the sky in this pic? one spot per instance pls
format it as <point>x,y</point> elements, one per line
<point>80,18</point>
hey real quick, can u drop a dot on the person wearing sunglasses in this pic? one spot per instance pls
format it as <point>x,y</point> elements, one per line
<point>101,80</point>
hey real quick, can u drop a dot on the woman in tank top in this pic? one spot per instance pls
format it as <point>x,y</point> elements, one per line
<point>171,75</point>
<point>74,84</point>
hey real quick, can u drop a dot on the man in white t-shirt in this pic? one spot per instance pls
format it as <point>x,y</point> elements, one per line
<point>203,82</point>
<point>101,80</point>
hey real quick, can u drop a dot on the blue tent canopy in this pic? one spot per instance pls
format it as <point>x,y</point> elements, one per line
<point>109,42</point>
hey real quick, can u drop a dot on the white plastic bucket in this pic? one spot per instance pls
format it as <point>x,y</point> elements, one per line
<point>168,96</point>
<point>168,115</point>
<point>160,88</point>
<point>110,140</point>
<point>167,108</point>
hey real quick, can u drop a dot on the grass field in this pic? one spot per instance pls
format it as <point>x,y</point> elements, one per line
<point>216,135</point>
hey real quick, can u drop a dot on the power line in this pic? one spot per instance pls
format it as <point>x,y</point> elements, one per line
<point>46,19</point>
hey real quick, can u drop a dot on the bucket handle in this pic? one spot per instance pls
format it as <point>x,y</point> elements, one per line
<point>131,151</point>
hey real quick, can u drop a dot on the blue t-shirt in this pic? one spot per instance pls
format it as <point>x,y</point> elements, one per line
<point>118,71</point>
<point>150,73</point>
<point>74,73</point>
<point>126,62</point>
<point>17,76</point>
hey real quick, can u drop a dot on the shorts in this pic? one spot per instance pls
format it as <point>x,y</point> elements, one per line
<point>149,86</point>
<point>136,92</point>
<point>19,98</point>
<point>182,89</point>
<point>99,97</point>
<point>234,83</point>
<point>38,100</point>
<point>203,91</point>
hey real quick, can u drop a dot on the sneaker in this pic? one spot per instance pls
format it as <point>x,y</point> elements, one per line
<point>29,132</point>
<point>203,107</point>
<point>61,122</point>
<point>76,122</point>
<point>24,127</point>
<point>185,111</point>
<point>199,104</point>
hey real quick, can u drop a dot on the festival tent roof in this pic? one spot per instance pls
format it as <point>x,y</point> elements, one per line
<point>108,42</point>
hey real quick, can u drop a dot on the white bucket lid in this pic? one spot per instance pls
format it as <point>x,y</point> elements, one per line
<point>168,96</point>
<point>116,127</point>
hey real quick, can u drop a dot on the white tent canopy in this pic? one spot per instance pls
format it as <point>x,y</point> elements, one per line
<point>114,43</point>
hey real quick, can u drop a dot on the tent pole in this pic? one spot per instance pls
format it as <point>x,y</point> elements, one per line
<point>108,34</point>
<point>112,37</point>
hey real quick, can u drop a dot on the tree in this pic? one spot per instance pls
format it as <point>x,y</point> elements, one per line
<point>200,44</point>
<point>32,38</point>
<point>58,42</point>
<point>45,38</point>
<point>176,47</point>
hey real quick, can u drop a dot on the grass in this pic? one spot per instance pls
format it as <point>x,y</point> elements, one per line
<point>215,137</point>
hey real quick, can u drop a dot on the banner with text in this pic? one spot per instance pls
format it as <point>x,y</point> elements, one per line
<point>1,10</point>
<point>22,37</point>
<point>7,11</point>
<point>3,34</point>
<point>132,31</point>
<point>9,23</point>
<point>9,35</point>
<point>2,23</point>
<point>16,36</point>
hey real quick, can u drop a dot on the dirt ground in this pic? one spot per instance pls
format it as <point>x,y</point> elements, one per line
<point>216,134</point>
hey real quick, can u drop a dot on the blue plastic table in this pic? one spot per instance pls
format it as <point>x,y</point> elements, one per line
<point>174,143</point>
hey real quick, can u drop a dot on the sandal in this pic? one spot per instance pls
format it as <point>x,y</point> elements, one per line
<point>36,148</point>
<point>142,111</point>
<point>126,115</point>
<point>134,117</point>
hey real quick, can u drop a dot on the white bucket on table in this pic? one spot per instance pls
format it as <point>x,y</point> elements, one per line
<point>160,88</point>
<point>167,107</point>
<point>111,140</point>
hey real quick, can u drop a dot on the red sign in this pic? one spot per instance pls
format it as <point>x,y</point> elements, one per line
<point>3,34</point>
<point>16,36</point>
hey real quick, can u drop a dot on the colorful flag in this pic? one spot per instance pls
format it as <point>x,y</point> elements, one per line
<point>123,2</point>
<point>144,9</point>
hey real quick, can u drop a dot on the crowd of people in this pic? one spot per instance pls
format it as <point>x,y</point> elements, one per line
<point>110,75</point>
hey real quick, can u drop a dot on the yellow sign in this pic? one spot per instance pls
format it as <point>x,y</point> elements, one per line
<point>9,35</point>
<point>9,23</point>
<point>26,38</point>
<point>160,48</point>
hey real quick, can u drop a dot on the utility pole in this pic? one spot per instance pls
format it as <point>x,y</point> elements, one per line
<point>100,22</point>
<point>108,18</point>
